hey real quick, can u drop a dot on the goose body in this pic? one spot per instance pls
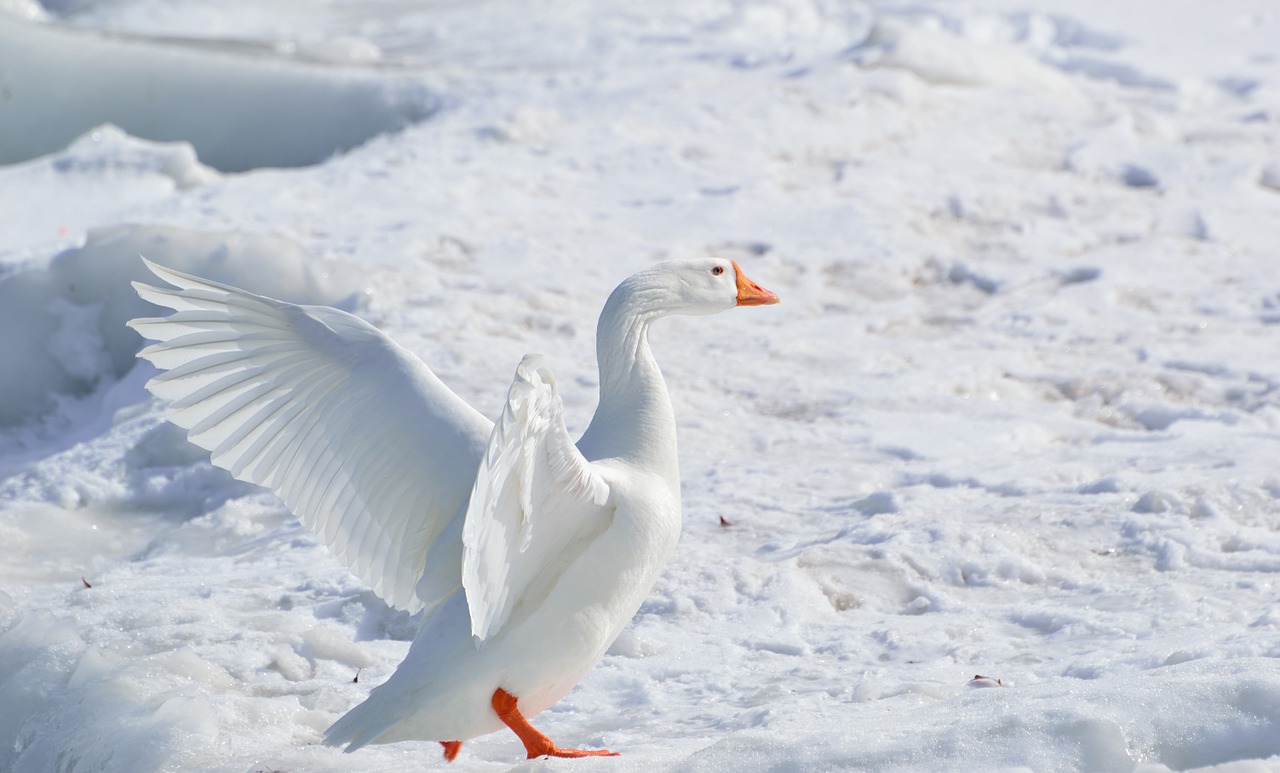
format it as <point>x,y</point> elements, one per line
<point>527,552</point>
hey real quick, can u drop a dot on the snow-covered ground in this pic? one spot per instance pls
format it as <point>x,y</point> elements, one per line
<point>1017,416</point>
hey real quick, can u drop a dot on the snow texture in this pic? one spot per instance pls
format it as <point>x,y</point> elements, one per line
<point>1014,426</point>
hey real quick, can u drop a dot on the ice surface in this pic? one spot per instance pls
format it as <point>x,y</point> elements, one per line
<point>239,110</point>
<point>1017,415</point>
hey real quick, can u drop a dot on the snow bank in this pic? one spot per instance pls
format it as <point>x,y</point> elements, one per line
<point>940,57</point>
<point>45,660</point>
<point>1063,725</point>
<point>71,313</point>
<point>239,111</point>
<point>105,149</point>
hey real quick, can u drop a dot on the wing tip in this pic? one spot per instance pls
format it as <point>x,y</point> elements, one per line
<point>163,272</point>
<point>530,367</point>
<point>138,322</point>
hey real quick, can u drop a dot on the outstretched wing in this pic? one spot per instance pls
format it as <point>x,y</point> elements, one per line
<point>358,437</point>
<point>535,504</point>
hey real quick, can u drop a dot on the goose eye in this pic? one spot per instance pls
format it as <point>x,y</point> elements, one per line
<point>718,270</point>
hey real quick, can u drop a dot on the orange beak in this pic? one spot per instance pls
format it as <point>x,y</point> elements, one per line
<point>750,293</point>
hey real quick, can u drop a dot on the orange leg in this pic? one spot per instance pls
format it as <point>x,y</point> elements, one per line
<point>537,744</point>
<point>451,749</point>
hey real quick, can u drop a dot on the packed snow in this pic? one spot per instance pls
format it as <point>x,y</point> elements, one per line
<point>995,487</point>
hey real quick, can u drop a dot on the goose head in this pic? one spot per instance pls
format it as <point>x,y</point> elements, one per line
<point>634,419</point>
<point>696,286</point>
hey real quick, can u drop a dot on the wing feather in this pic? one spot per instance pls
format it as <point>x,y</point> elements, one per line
<point>358,437</point>
<point>534,494</point>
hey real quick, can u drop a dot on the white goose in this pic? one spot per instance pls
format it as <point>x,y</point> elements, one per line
<point>528,553</point>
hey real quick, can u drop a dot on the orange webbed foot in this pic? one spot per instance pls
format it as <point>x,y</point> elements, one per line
<point>535,743</point>
<point>451,749</point>
<point>556,751</point>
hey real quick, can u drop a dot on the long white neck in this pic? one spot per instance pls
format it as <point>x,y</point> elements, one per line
<point>634,421</point>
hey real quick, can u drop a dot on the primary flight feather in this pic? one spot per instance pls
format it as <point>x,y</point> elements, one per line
<point>528,553</point>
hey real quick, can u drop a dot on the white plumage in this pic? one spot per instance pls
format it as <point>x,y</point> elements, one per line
<point>528,553</point>
<point>531,470</point>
